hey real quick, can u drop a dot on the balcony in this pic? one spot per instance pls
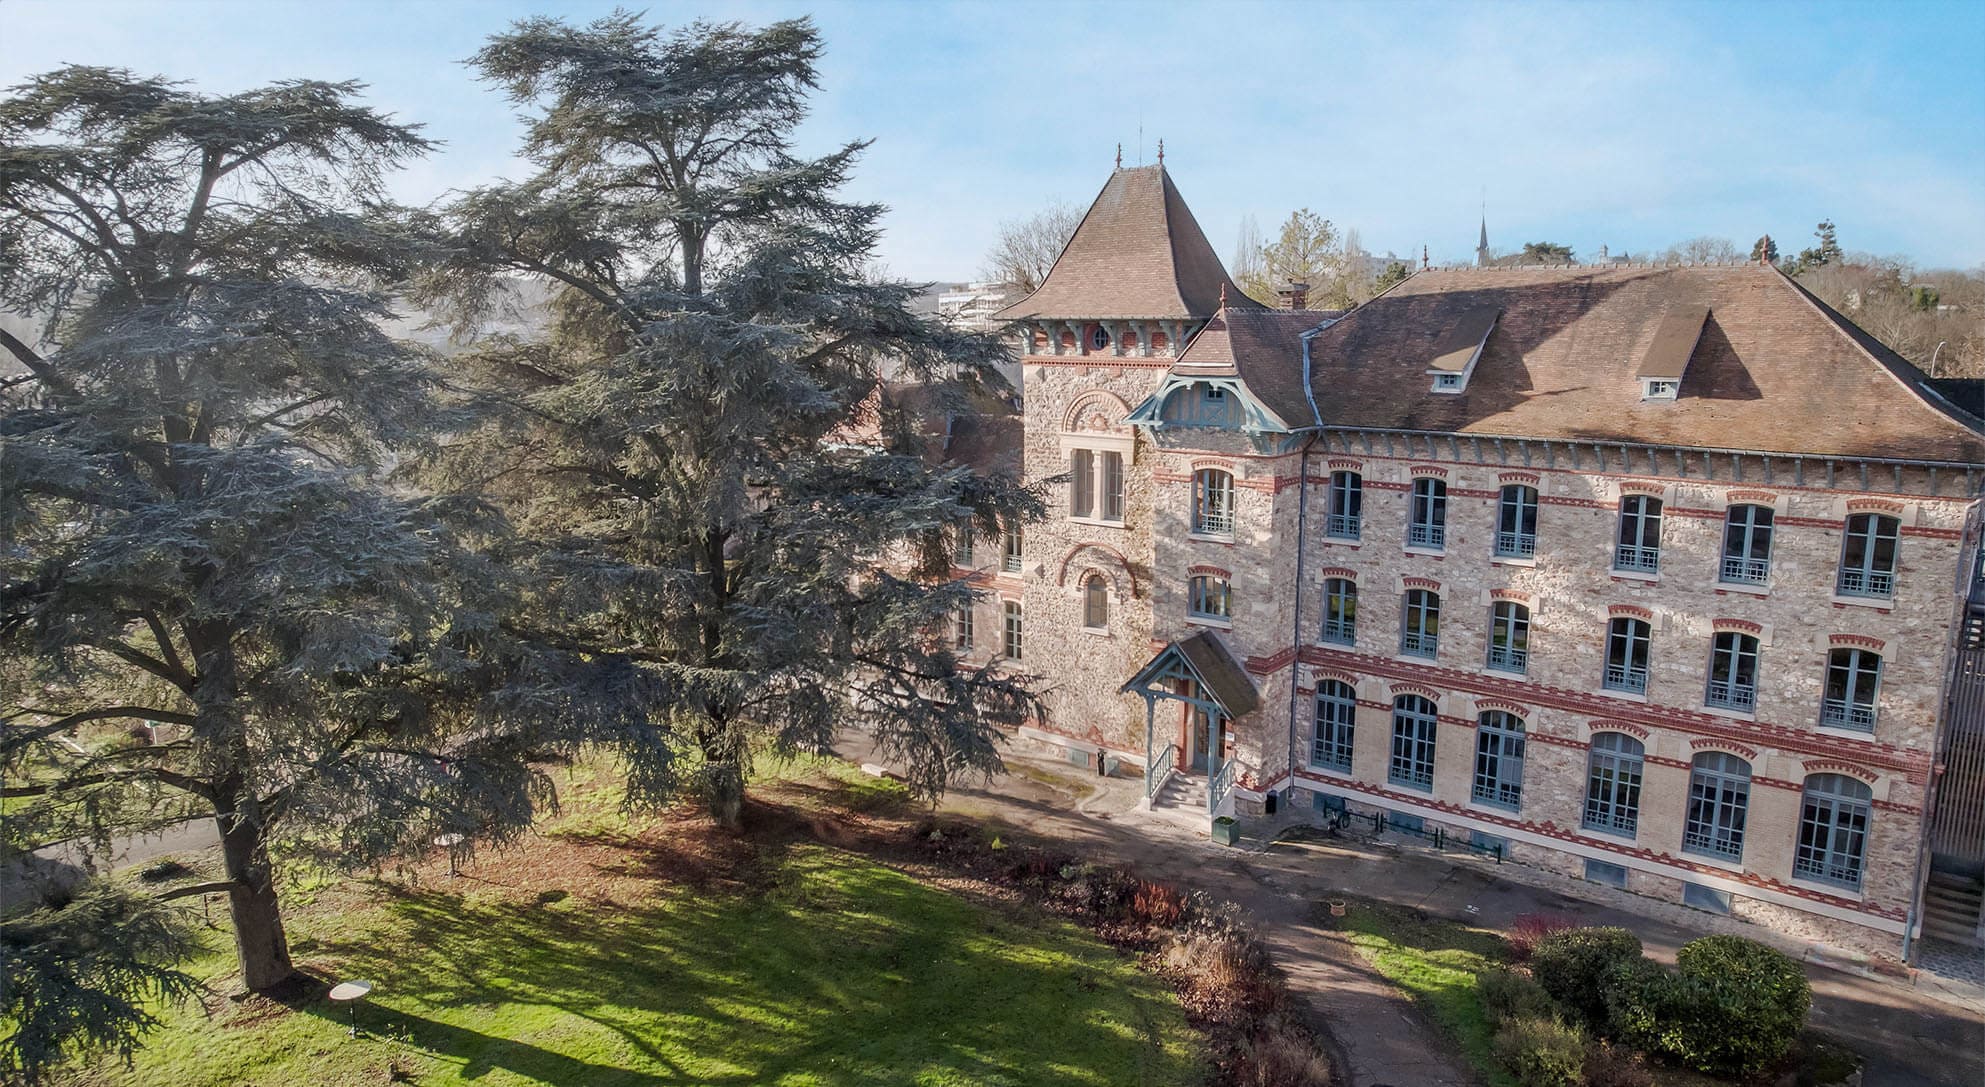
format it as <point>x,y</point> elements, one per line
<point>1415,644</point>
<point>1622,677</point>
<point>1505,658</point>
<point>1344,526</point>
<point>1743,571</point>
<point>1878,583</point>
<point>1340,631</point>
<point>1430,536</point>
<point>1713,842</point>
<point>1731,695</point>
<point>1213,522</point>
<point>1636,559</point>
<point>1413,775</point>
<point>1603,818</point>
<point>1516,545</point>
<point>1330,756</point>
<point>1824,868</point>
<point>1498,794</point>
<point>1847,713</point>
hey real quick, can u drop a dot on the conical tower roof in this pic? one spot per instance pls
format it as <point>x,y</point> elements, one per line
<point>1138,253</point>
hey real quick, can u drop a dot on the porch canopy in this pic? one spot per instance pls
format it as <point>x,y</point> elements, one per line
<point>1202,674</point>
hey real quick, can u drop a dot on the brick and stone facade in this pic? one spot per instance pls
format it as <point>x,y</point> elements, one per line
<point>1253,394</point>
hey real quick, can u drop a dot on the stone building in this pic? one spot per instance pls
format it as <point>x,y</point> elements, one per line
<point>1652,575</point>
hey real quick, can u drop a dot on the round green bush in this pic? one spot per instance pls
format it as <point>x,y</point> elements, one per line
<point>1732,1006</point>
<point>1574,967</point>
<point>1506,994</point>
<point>1541,1051</point>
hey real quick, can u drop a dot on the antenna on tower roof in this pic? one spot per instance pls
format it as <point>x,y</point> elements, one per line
<point>1161,151</point>
<point>1119,154</point>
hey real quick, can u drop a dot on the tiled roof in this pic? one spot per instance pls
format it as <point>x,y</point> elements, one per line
<point>1138,253</point>
<point>1773,370</point>
<point>1263,347</point>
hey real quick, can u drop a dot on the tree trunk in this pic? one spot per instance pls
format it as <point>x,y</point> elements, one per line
<point>723,784</point>
<point>259,941</point>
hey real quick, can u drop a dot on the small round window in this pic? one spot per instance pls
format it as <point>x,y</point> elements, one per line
<point>1099,338</point>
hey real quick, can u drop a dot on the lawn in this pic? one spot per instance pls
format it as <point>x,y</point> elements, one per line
<point>787,961</point>
<point>1434,962</point>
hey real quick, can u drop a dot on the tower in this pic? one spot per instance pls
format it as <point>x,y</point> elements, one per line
<point>1482,257</point>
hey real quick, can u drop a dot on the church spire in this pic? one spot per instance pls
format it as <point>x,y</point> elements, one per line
<point>1482,247</point>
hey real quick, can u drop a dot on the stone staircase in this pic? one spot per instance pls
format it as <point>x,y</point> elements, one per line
<point>1182,793</point>
<point>1951,907</point>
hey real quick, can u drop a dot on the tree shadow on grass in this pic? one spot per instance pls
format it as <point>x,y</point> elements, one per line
<point>850,972</point>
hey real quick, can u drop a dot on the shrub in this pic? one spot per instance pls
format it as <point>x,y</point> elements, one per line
<point>1531,929</point>
<point>1541,1051</point>
<point>1573,966</point>
<point>1736,1006</point>
<point>1613,1066</point>
<point>1282,1053</point>
<point>1507,994</point>
<point>1159,905</point>
<point>1226,977</point>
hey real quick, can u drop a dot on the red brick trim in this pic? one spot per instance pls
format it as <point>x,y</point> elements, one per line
<point>1741,626</point>
<point>1345,464</point>
<point>1483,705</point>
<point>1507,478</point>
<point>1434,471</point>
<point>1555,740</point>
<point>1170,477</point>
<point>1627,727</point>
<point>1832,766</point>
<point>1061,575</point>
<point>1515,595</point>
<point>1227,466</point>
<point>1933,533</point>
<point>1630,611</point>
<point>1424,691</point>
<point>1318,674</point>
<point>1750,498</point>
<point>1071,420</point>
<point>1201,569</point>
<point>1778,783</point>
<point>1421,583</point>
<point>1272,663</point>
<point>1344,572</point>
<point>1855,641</point>
<point>1750,754</point>
<point>1641,486</point>
<point>1672,764</point>
<point>1875,505</point>
<point>1892,806</point>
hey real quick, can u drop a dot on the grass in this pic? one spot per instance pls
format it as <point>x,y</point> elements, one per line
<point>608,952</point>
<point>1434,962</point>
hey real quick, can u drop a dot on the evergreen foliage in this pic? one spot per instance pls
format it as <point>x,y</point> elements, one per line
<point>1575,967</point>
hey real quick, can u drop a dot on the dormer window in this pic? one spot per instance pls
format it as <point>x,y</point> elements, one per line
<point>1216,395</point>
<point>1668,353</point>
<point>1099,338</point>
<point>1447,383</point>
<point>1659,388</point>
<point>1460,348</point>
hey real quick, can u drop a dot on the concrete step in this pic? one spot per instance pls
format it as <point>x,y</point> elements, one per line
<point>1951,932</point>
<point>1952,901</point>
<point>1950,881</point>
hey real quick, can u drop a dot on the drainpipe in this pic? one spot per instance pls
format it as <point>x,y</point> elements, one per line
<point>1302,542</point>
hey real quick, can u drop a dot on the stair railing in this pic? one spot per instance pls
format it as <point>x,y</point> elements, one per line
<point>1222,784</point>
<point>1159,769</point>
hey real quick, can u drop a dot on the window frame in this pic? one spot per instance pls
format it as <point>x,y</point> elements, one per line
<point>1333,733</point>
<point>1638,551</point>
<point>1013,630</point>
<point>1213,505</point>
<point>1867,578</point>
<point>1201,594</point>
<point>963,628</point>
<point>1426,514</point>
<point>1110,486</point>
<point>1082,483</point>
<point>1513,540</point>
<point>1095,603</point>
<point>1719,806</point>
<point>1419,624</point>
<point>1615,773</point>
<point>1013,552</point>
<point>1729,651</point>
<point>1495,783</point>
<point>1836,814</point>
<point>1624,675</point>
<point>1346,517</point>
<point>1850,666</point>
<point>1411,762</point>
<point>1509,637</point>
<point>1340,612</point>
<point>1749,563</point>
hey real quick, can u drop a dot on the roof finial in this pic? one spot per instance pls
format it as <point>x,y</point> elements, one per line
<point>1119,154</point>
<point>1423,257</point>
<point>1223,286</point>
<point>1161,151</point>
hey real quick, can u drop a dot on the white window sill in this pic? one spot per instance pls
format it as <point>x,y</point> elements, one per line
<point>1745,588</point>
<point>1095,522</point>
<point>1332,771</point>
<point>1340,541</point>
<point>1734,715</point>
<point>1207,537</point>
<point>1512,560</point>
<point>1878,603</point>
<point>1866,736</point>
<point>1635,575</point>
<point>1213,621</point>
<point>1624,696</point>
<point>1409,658</point>
<point>1415,549</point>
<point>1097,632</point>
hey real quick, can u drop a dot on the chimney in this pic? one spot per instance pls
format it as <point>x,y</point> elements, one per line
<point>1295,295</point>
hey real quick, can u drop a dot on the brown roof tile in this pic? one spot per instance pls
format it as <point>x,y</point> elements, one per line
<point>1773,369</point>
<point>1138,253</point>
<point>1264,347</point>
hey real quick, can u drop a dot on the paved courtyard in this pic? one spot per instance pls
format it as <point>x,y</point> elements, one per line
<point>1923,1031</point>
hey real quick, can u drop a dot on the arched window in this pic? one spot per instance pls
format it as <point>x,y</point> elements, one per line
<point>1499,760</point>
<point>1516,522</point>
<point>1414,723</point>
<point>1013,644</point>
<point>1719,799</point>
<point>1747,544</point>
<point>1340,611</point>
<point>1612,783</point>
<point>1833,830</point>
<point>1099,338</point>
<point>1081,482</point>
<point>1347,506</point>
<point>1208,597</point>
<point>1627,641</point>
<point>1095,603</point>
<point>1213,502</point>
<point>1419,624</point>
<point>1733,671</point>
<point>1336,719</point>
<point>1509,636</point>
<point>1867,555</point>
<point>1640,535</point>
<point>1853,686</point>
<point>1427,523</point>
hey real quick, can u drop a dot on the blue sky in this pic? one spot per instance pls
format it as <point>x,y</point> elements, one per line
<point>1627,125</point>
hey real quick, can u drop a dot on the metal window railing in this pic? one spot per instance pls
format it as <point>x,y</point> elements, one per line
<point>1213,522</point>
<point>1716,843</point>
<point>1621,677</point>
<point>1426,535</point>
<point>1827,868</point>
<point>1340,631</point>
<point>1846,713</point>
<point>1601,817</point>
<point>1500,794</point>
<point>1508,658</point>
<point>1645,560</point>
<point>1857,582</point>
<point>1344,526</point>
<point>1731,694</point>
<point>1416,774</point>
<point>1330,755</point>
<point>1519,545</point>
<point>1415,644</point>
<point>1745,571</point>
